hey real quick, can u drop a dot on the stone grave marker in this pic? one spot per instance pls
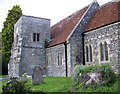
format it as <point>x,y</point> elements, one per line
<point>37,76</point>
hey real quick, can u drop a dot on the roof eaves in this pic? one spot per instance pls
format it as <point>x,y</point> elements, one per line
<point>104,26</point>
<point>55,44</point>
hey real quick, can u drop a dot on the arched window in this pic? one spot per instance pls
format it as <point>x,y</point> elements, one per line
<point>90,53</point>
<point>106,51</point>
<point>101,52</point>
<point>59,58</point>
<point>87,54</point>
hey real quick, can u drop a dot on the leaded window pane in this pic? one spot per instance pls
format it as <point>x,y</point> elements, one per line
<point>90,53</point>
<point>87,55</point>
<point>106,51</point>
<point>101,52</point>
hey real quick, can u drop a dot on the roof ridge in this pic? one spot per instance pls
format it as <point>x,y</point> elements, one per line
<point>61,30</point>
<point>79,20</point>
<point>89,6</point>
<point>70,15</point>
<point>106,9</point>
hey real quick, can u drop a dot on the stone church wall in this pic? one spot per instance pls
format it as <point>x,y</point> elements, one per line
<point>76,39</point>
<point>33,52</point>
<point>69,63</point>
<point>108,34</point>
<point>13,65</point>
<point>32,57</point>
<point>56,61</point>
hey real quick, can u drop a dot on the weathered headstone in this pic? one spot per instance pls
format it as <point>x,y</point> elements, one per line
<point>37,76</point>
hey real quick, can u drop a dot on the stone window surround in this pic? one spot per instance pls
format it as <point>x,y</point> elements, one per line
<point>89,54</point>
<point>49,58</point>
<point>36,37</point>
<point>59,53</point>
<point>104,61</point>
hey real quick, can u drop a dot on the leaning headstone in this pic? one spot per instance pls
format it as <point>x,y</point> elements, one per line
<point>37,76</point>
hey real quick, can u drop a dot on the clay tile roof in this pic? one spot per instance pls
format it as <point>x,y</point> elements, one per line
<point>61,30</point>
<point>105,15</point>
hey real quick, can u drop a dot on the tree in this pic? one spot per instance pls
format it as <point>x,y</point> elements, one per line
<point>7,35</point>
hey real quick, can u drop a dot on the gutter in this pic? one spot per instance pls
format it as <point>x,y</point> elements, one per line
<point>66,65</point>
<point>83,48</point>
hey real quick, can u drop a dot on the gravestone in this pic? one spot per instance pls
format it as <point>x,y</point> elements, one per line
<point>37,76</point>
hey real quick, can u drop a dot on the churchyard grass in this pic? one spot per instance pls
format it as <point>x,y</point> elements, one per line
<point>2,82</point>
<point>2,76</point>
<point>0,87</point>
<point>52,84</point>
<point>65,84</point>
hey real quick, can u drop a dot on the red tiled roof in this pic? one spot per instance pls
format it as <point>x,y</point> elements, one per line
<point>106,14</point>
<point>61,30</point>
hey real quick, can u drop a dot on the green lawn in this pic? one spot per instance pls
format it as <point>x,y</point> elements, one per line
<point>1,83</point>
<point>65,84</point>
<point>53,84</point>
<point>0,87</point>
<point>50,84</point>
<point>3,76</point>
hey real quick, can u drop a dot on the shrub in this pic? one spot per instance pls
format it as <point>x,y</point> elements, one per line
<point>105,70</point>
<point>76,73</point>
<point>16,86</point>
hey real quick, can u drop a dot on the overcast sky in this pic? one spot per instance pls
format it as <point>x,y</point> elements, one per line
<point>55,10</point>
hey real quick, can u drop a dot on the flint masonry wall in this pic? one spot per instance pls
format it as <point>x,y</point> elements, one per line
<point>33,52</point>
<point>13,65</point>
<point>76,40</point>
<point>110,35</point>
<point>56,61</point>
<point>74,48</point>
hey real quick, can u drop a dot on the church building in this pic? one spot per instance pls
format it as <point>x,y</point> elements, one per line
<point>89,36</point>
